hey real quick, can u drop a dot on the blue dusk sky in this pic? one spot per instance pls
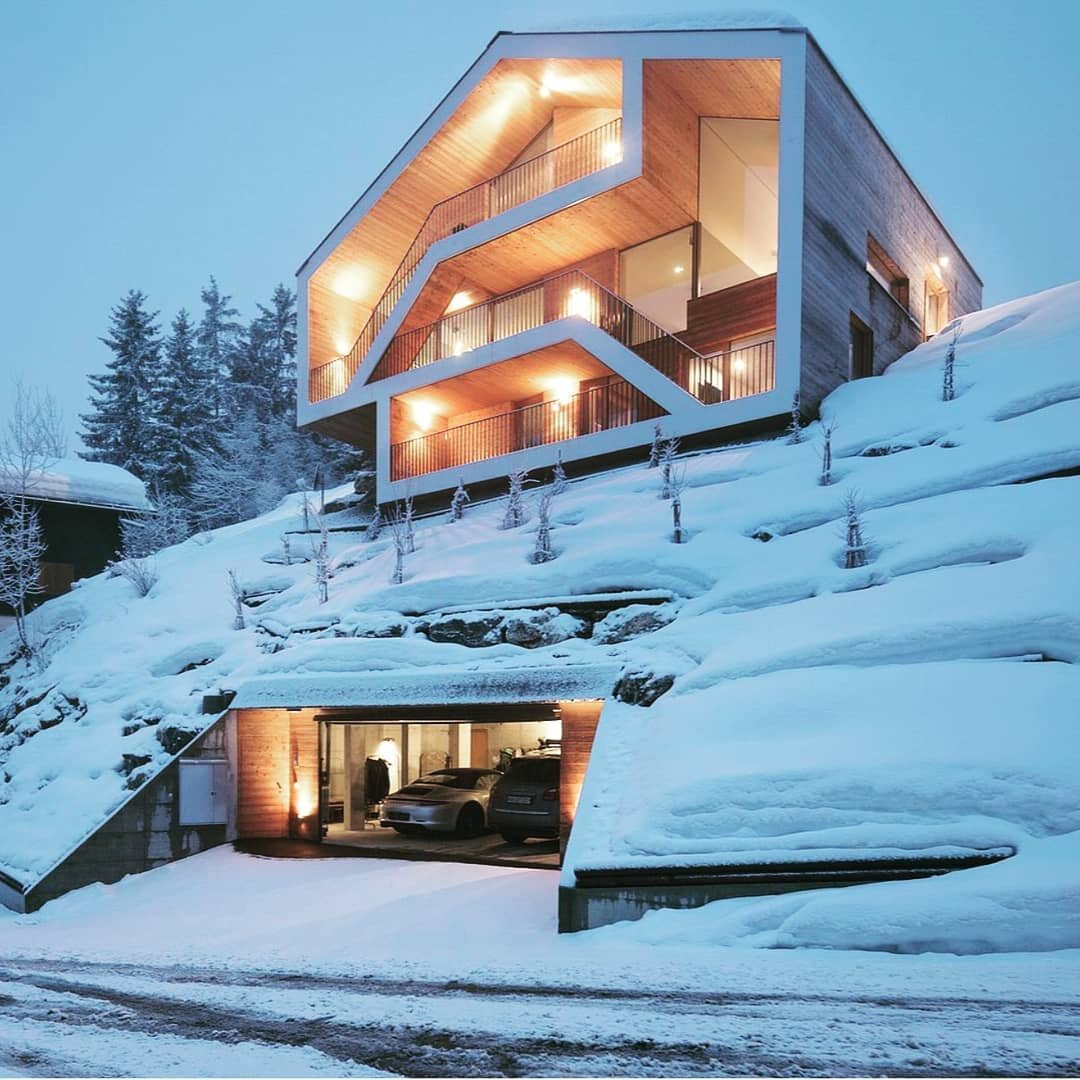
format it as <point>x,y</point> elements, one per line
<point>151,144</point>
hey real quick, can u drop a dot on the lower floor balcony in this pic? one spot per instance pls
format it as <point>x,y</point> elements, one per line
<point>612,404</point>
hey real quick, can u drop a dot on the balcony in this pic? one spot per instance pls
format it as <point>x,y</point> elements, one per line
<point>616,404</point>
<point>573,160</point>
<point>711,379</point>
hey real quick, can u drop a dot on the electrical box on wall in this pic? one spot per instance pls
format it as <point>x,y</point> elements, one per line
<point>202,792</point>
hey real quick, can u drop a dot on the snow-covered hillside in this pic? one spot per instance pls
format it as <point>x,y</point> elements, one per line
<point>925,703</point>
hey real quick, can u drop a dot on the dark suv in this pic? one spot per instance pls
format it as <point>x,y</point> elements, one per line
<point>525,802</point>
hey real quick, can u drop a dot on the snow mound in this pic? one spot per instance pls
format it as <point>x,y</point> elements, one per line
<point>92,483</point>
<point>923,705</point>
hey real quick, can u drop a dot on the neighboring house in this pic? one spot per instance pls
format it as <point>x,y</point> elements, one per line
<point>80,505</point>
<point>597,232</point>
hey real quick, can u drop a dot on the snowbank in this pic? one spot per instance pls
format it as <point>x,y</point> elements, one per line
<point>924,704</point>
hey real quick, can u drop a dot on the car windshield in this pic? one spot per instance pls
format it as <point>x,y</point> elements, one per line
<point>543,770</point>
<point>449,779</point>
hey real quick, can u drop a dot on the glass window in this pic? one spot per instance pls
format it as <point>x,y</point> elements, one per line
<point>737,201</point>
<point>657,277</point>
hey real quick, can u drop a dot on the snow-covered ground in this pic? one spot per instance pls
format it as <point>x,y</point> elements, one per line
<point>925,704</point>
<point>350,965</point>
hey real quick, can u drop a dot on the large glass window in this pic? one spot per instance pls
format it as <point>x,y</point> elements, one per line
<point>737,200</point>
<point>657,277</point>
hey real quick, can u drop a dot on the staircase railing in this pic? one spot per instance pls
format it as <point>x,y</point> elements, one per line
<point>561,165</point>
<point>710,379</point>
<point>615,404</point>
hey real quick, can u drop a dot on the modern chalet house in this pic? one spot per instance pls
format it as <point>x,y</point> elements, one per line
<point>597,232</point>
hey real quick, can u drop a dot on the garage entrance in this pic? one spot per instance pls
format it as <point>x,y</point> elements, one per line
<point>476,785</point>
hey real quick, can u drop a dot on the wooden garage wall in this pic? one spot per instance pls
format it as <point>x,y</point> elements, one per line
<point>262,772</point>
<point>579,720</point>
<point>855,186</point>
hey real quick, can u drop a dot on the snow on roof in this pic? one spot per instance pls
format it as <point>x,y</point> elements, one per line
<point>483,685</point>
<point>89,483</point>
<point>668,21</point>
<point>924,703</point>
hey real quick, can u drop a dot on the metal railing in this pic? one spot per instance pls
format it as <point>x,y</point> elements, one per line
<point>615,404</point>
<point>580,157</point>
<point>710,379</point>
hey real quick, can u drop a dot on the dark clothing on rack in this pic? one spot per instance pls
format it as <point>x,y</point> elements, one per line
<point>376,780</point>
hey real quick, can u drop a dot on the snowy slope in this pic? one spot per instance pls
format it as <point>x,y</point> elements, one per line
<point>926,703</point>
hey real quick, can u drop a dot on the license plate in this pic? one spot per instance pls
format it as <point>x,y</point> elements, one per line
<point>519,800</point>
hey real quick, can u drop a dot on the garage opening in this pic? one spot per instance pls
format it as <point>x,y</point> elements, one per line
<point>483,784</point>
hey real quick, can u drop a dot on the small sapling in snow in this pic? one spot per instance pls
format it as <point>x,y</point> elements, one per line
<point>375,525</point>
<point>236,593</point>
<point>399,529</point>
<point>826,453</point>
<point>948,373</point>
<point>320,555</point>
<point>558,476</point>
<point>855,544</point>
<point>459,501</point>
<point>515,505</point>
<point>657,447</point>
<point>407,515</point>
<point>667,459</point>
<point>544,552</point>
<point>678,485</point>
<point>795,431</point>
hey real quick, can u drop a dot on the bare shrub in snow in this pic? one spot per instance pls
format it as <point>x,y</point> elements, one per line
<point>826,453</point>
<point>544,552</point>
<point>143,535</point>
<point>515,504</point>
<point>795,432</point>
<point>407,514</point>
<point>948,373</point>
<point>236,593</point>
<point>656,449</point>
<point>677,485</point>
<point>375,525</point>
<point>667,458</point>
<point>400,532</point>
<point>854,544</point>
<point>459,501</point>
<point>142,573</point>
<point>558,476</point>
<point>286,549</point>
<point>320,555</point>
<point>31,442</point>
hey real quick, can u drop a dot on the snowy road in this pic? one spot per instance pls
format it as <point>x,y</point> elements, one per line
<point>70,1018</point>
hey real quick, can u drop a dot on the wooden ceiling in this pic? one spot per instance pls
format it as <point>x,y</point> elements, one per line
<point>498,119</point>
<point>514,380</point>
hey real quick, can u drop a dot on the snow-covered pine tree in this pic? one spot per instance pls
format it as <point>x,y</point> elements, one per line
<point>236,593</point>
<point>826,453</point>
<point>459,501</point>
<point>558,476</point>
<point>854,546</point>
<point>515,504</point>
<point>657,447</point>
<point>667,457</point>
<point>543,551</point>
<point>218,337</point>
<point>181,410</point>
<point>375,525</point>
<point>795,432</point>
<point>118,423</point>
<point>948,374</point>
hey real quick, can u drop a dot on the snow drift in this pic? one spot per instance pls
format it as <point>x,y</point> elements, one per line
<point>923,704</point>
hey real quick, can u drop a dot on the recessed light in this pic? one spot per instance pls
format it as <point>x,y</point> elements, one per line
<point>679,269</point>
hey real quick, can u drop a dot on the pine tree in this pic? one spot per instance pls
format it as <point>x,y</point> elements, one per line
<point>119,423</point>
<point>459,501</point>
<point>183,421</point>
<point>218,339</point>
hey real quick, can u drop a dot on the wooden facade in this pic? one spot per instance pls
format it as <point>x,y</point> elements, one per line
<point>857,197</point>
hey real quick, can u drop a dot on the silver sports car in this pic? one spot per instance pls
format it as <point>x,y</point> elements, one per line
<point>450,800</point>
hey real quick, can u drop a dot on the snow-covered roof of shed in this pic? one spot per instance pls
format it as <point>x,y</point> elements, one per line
<point>749,19</point>
<point>86,483</point>
<point>432,686</point>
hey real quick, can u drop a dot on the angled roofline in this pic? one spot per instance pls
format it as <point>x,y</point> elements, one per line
<point>793,29</point>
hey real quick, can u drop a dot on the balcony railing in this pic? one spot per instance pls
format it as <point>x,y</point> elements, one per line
<point>615,404</point>
<point>580,157</point>
<point>710,379</point>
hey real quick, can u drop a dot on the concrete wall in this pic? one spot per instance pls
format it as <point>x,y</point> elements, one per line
<point>142,834</point>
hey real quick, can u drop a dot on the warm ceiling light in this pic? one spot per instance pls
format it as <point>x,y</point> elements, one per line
<point>612,151</point>
<point>679,269</point>
<point>545,89</point>
<point>738,366</point>
<point>458,301</point>
<point>943,260</point>
<point>563,388</point>
<point>351,283</point>
<point>342,345</point>
<point>578,304</point>
<point>423,414</point>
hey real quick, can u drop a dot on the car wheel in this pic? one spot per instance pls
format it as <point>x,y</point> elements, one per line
<point>514,837</point>
<point>470,821</point>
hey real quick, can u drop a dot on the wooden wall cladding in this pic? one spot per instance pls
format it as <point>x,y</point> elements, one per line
<point>262,772</point>
<point>854,186</point>
<point>579,722</point>
<point>713,321</point>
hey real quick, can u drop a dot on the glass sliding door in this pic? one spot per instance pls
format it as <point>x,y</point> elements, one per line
<point>657,277</point>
